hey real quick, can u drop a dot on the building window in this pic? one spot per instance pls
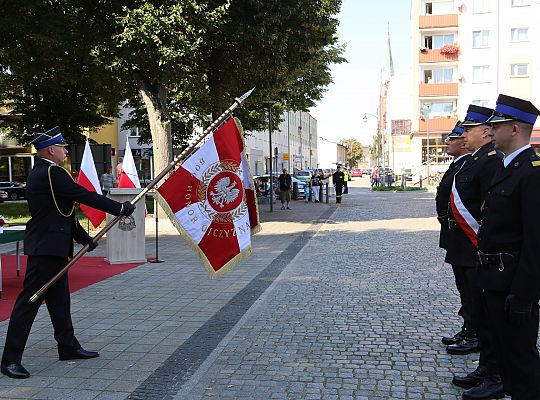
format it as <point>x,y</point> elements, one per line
<point>429,8</point>
<point>480,39</point>
<point>445,75</point>
<point>133,132</point>
<point>436,149</point>
<point>481,74</point>
<point>519,69</point>
<point>437,110</point>
<point>481,103</point>
<point>481,6</point>
<point>519,34</point>
<point>518,3</point>
<point>438,41</point>
<point>401,126</point>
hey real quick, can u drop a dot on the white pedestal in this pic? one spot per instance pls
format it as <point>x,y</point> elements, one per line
<point>125,240</point>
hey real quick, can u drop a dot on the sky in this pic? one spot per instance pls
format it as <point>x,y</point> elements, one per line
<point>355,91</point>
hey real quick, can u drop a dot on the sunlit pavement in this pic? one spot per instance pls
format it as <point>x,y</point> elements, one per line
<point>341,301</point>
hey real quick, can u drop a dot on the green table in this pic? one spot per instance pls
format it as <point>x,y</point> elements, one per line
<point>12,234</point>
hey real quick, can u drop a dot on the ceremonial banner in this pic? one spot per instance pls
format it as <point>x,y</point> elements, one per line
<point>464,218</point>
<point>88,178</point>
<point>211,200</point>
<point>128,177</point>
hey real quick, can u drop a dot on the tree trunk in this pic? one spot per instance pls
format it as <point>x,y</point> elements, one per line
<point>155,100</point>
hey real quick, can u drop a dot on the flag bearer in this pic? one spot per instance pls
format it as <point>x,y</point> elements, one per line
<point>52,195</point>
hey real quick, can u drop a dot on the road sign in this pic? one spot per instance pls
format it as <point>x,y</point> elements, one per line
<point>285,156</point>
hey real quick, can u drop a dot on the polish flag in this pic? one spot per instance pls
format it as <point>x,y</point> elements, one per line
<point>88,178</point>
<point>128,176</point>
<point>211,200</point>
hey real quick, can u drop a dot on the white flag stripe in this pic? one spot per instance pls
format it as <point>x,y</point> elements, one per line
<point>89,168</point>
<point>128,166</point>
<point>201,160</point>
<point>243,231</point>
<point>465,214</point>
<point>195,222</point>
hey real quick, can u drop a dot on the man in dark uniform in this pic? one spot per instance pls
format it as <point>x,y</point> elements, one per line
<point>455,147</point>
<point>48,242</point>
<point>468,193</point>
<point>508,243</point>
<point>339,179</point>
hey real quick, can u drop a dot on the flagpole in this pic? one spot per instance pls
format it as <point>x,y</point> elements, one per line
<point>238,101</point>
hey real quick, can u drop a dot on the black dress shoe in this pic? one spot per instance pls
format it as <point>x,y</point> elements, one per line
<point>15,370</point>
<point>79,354</point>
<point>466,347</point>
<point>490,388</point>
<point>457,338</point>
<point>472,379</point>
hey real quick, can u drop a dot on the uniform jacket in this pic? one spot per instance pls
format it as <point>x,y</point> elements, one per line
<point>510,224</point>
<point>48,232</point>
<point>472,183</point>
<point>338,178</point>
<point>442,198</point>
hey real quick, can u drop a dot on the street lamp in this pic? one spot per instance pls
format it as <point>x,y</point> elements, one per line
<point>380,150</point>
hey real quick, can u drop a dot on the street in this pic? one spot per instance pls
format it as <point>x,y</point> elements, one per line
<point>336,302</point>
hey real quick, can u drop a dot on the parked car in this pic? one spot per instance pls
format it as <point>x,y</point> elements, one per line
<point>3,196</point>
<point>304,175</point>
<point>15,190</point>
<point>301,187</point>
<point>356,172</point>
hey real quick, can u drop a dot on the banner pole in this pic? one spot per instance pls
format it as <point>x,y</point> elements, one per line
<point>213,126</point>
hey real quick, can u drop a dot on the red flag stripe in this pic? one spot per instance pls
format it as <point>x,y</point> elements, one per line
<point>180,190</point>
<point>228,142</point>
<point>219,244</point>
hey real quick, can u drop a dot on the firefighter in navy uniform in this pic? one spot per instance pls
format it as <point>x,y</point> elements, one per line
<point>471,183</point>
<point>455,148</point>
<point>508,243</point>
<point>48,242</point>
<point>338,178</point>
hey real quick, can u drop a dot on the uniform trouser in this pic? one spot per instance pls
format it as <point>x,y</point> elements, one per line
<point>464,277</point>
<point>474,315</point>
<point>38,271</point>
<point>515,347</point>
<point>339,190</point>
<point>345,187</point>
<point>316,192</point>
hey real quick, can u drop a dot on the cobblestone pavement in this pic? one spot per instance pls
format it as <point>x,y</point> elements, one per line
<point>336,302</point>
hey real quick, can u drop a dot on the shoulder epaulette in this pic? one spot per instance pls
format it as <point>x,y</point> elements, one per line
<point>492,153</point>
<point>535,163</point>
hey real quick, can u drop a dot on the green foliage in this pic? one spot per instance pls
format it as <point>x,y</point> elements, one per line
<point>355,153</point>
<point>47,75</point>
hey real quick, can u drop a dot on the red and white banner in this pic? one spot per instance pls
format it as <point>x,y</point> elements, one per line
<point>211,200</point>
<point>463,217</point>
<point>89,179</point>
<point>129,178</point>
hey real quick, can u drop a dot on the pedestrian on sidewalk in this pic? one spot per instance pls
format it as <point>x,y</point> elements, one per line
<point>48,242</point>
<point>107,181</point>
<point>285,186</point>
<point>338,178</point>
<point>375,177</point>
<point>316,181</point>
<point>509,270</point>
<point>346,179</point>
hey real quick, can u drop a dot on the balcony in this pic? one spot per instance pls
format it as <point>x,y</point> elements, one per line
<point>438,89</point>
<point>438,21</point>
<point>434,55</point>
<point>436,124</point>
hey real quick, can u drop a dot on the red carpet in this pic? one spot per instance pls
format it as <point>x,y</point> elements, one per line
<point>86,272</point>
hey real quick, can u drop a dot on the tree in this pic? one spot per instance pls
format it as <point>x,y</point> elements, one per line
<point>355,152</point>
<point>47,75</point>
<point>375,149</point>
<point>182,59</point>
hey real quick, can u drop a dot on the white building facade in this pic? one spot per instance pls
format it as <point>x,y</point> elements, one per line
<point>294,145</point>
